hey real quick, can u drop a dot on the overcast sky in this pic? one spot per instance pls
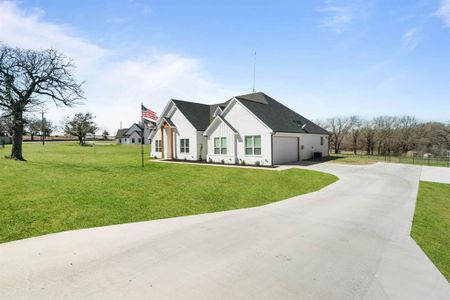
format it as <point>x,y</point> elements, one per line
<point>321,58</point>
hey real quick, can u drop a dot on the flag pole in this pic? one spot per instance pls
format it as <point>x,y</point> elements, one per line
<point>142,138</point>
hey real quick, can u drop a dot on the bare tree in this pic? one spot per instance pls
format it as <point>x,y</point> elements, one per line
<point>368,132</point>
<point>339,128</point>
<point>80,125</point>
<point>384,129</point>
<point>6,126</point>
<point>406,128</point>
<point>355,130</point>
<point>29,79</point>
<point>105,134</point>
<point>33,127</point>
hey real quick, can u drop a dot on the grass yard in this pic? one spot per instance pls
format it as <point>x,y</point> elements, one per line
<point>350,159</point>
<point>64,186</point>
<point>432,222</point>
<point>370,159</point>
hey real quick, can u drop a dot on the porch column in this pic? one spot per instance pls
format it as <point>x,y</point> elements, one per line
<point>162,142</point>
<point>171,142</point>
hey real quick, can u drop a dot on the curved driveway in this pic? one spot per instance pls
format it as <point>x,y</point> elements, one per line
<point>348,241</point>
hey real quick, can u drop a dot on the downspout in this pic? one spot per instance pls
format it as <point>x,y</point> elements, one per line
<point>271,146</point>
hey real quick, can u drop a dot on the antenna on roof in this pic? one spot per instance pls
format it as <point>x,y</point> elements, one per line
<point>254,71</point>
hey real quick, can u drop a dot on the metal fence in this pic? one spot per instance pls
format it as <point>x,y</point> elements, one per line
<point>414,160</point>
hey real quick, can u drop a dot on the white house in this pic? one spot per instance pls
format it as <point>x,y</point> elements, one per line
<point>132,135</point>
<point>250,129</point>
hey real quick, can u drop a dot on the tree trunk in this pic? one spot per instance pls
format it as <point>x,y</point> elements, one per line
<point>17,137</point>
<point>32,137</point>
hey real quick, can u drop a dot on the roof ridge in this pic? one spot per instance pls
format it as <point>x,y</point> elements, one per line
<point>192,102</point>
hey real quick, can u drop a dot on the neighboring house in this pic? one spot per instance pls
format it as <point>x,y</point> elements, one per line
<point>5,140</point>
<point>248,129</point>
<point>132,135</point>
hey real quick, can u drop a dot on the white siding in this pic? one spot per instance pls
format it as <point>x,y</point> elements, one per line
<point>202,148</point>
<point>310,143</point>
<point>129,140</point>
<point>246,124</point>
<point>222,130</point>
<point>285,149</point>
<point>155,138</point>
<point>183,130</point>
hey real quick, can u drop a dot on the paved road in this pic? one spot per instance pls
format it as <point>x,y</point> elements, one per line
<point>348,241</point>
<point>435,174</point>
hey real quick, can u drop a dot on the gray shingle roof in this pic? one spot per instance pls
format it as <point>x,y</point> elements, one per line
<point>275,115</point>
<point>198,114</point>
<point>121,133</point>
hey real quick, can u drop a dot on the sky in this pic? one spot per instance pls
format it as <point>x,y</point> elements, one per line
<point>320,58</point>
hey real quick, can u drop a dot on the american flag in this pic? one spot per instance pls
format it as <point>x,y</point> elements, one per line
<point>148,114</point>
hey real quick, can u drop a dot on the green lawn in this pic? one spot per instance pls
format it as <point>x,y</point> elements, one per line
<point>432,222</point>
<point>370,159</point>
<point>65,186</point>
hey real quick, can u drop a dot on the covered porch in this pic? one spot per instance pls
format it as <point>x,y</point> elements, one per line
<point>167,139</point>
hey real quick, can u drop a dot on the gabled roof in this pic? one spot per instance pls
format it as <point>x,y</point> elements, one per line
<point>198,114</point>
<point>121,133</point>
<point>276,116</point>
<point>137,127</point>
<point>217,119</point>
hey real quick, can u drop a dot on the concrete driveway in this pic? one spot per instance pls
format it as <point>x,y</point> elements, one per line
<point>348,241</point>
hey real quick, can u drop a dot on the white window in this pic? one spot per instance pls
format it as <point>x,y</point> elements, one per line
<point>184,145</point>
<point>220,145</point>
<point>253,145</point>
<point>321,141</point>
<point>158,146</point>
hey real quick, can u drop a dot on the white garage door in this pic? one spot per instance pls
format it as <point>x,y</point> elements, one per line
<point>285,149</point>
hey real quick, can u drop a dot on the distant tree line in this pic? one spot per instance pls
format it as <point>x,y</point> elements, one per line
<point>387,135</point>
<point>32,126</point>
<point>79,126</point>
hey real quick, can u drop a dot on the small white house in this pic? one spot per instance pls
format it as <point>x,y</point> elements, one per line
<point>250,129</point>
<point>132,135</point>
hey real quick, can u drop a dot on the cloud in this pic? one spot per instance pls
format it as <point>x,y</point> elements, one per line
<point>114,86</point>
<point>444,12</point>
<point>410,39</point>
<point>339,15</point>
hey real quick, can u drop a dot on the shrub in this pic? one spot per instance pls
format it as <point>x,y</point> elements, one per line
<point>209,159</point>
<point>222,161</point>
<point>257,163</point>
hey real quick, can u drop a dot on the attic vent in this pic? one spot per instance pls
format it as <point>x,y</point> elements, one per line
<point>301,125</point>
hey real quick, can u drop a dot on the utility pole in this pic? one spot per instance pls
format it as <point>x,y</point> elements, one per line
<point>43,128</point>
